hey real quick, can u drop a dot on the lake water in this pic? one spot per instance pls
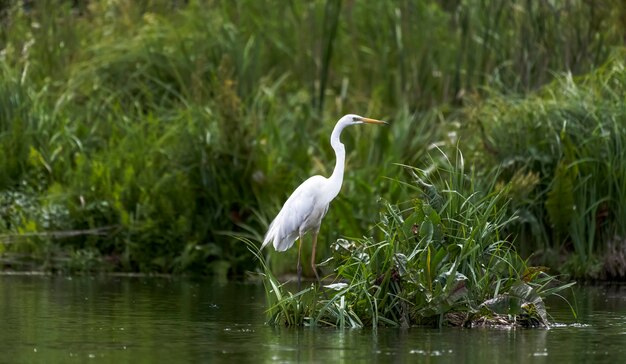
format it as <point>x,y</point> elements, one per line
<point>173,320</point>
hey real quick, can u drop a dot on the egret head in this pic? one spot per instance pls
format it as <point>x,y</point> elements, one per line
<point>348,120</point>
<point>352,119</point>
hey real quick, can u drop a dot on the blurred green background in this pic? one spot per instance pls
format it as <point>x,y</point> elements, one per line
<point>143,135</point>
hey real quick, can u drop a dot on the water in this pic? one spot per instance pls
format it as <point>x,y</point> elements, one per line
<point>152,320</point>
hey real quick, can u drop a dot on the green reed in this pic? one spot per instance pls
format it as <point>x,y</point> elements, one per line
<point>145,133</point>
<point>562,149</point>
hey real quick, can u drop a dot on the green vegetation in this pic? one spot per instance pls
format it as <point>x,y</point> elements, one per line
<point>442,260</point>
<point>563,150</point>
<point>143,135</point>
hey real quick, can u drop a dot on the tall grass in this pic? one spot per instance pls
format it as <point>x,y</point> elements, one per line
<point>165,126</point>
<point>563,150</point>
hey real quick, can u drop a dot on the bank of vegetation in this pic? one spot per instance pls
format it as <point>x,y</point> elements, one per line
<point>143,136</point>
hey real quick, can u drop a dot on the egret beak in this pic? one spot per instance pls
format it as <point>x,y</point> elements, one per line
<point>373,121</point>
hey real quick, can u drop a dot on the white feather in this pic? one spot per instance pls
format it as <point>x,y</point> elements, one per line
<point>302,212</point>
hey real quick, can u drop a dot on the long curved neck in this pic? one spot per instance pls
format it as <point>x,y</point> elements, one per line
<point>336,178</point>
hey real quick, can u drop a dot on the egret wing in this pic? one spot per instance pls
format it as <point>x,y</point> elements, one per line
<point>286,227</point>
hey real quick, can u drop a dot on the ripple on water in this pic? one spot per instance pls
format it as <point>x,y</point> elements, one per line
<point>576,324</point>
<point>430,352</point>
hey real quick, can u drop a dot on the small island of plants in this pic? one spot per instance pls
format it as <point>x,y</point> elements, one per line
<point>443,259</point>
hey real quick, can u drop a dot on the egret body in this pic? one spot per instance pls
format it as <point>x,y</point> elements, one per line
<point>304,209</point>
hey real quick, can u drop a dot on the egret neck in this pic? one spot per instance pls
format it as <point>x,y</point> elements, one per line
<point>336,178</point>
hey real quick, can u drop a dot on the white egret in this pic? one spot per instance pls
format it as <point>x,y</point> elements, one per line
<point>304,209</point>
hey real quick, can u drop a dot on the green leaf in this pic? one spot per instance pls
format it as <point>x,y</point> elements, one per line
<point>560,201</point>
<point>426,230</point>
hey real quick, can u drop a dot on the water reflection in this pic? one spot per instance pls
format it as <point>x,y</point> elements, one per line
<point>58,319</point>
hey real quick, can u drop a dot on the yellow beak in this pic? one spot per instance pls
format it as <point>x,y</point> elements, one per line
<point>373,121</point>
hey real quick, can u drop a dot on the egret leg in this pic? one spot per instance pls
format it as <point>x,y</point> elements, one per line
<point>299,268</point>
<point>313,258</point>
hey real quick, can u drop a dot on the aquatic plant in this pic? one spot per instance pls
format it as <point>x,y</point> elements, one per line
<point>442,259</point>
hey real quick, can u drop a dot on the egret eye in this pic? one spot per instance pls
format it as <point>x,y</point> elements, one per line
<point>356,118</point>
